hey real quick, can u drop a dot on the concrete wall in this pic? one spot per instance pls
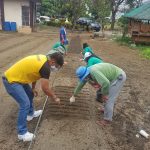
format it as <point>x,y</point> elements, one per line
<point>13,10</point>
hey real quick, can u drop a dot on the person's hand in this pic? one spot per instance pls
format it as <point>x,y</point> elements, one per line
<point>62,41</point>
<point>81,59</point>
<point>57,100</point>
<point>35,92</point>
<point>72,99</point>
<point>65,63</point>
<point>104,98</point>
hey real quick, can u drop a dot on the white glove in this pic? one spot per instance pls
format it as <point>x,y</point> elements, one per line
<point>72,99</point>
<point>57,100</point>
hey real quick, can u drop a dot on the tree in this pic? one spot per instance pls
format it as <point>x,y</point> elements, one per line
<point>133,3</point>
<point>123,22</point>
<point>101,10</point>
<point>115,4</point>
<point>114,9</point>
<point>72,9</point>
<point>75,9</point>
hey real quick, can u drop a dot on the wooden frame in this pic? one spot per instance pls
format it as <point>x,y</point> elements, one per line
<point>2,12</point>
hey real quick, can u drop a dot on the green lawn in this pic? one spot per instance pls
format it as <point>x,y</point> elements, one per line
<point>143,49</point>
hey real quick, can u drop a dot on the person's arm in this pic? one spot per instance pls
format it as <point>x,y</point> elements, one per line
<point>103,81</point>
<point>33,85</point>
<point>34,90</point>
<point>76,91</point>
<point>47,90</point>
<point>78,88</point>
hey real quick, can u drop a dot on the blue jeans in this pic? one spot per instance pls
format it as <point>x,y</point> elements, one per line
<point>23,95</point>
<point>114,90</point>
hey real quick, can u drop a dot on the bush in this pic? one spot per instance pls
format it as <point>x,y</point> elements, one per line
<point>143,49</point>
<point>124,40</point>
<point>53,23</point>
<point>58,23</point>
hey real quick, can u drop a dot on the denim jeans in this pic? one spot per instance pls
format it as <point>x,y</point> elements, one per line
<point>114,91</point>
<point>23,95</point>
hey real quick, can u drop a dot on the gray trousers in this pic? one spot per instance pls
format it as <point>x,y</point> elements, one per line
<point>114,89</point>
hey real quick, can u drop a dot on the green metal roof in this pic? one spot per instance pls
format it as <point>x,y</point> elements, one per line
<point>140,13</point>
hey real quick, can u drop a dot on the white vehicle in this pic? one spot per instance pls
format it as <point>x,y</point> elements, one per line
<point>44,18</point>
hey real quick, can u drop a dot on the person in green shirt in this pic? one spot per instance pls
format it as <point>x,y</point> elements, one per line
<point>92,59</point>
<point>106,76</point>
<point>87,48</point>
<point>57,44</point>
<point>60,49</point>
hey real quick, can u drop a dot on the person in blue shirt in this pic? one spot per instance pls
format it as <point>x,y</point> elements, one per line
<point>63,35</point>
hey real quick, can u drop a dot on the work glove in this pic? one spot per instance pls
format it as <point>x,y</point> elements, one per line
<point>57,100</point>
<point>72,99</point>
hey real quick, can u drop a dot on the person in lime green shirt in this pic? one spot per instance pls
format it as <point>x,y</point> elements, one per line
<point>106,76</point>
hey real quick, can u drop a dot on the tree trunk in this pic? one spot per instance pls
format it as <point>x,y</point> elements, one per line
<point>113,20</point>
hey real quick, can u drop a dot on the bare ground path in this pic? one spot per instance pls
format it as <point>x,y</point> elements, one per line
<point>73,127</point>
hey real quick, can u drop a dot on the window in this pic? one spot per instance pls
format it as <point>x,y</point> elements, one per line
<point>25,16</point>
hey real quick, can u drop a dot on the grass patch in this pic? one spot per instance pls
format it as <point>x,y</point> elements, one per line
<point>123,40</point>
<point>144,50</point>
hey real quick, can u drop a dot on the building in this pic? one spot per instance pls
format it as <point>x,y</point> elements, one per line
<point>139,23</point>
<point>23,12</point>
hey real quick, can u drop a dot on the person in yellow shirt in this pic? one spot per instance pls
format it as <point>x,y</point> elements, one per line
<point>17,79</point>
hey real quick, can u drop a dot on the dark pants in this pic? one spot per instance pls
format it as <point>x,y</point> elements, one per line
<point>99,96</point>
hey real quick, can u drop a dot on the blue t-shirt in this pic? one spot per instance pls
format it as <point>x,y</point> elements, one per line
<point>63,34</point>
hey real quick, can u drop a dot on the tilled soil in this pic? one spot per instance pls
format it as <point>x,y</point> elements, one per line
<point>73,126</point>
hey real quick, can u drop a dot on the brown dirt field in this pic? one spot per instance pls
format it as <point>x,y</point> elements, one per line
<point>66,126</point>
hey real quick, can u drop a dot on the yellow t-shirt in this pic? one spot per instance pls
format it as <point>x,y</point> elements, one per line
<point>26,70</point>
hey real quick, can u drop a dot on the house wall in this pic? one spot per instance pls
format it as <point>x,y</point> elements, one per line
<point>13,10</point>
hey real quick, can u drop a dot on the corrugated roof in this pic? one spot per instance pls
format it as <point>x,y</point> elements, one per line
<point>140,13</point>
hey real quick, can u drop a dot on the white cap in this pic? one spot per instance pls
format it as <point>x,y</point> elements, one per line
<point>86,55</point>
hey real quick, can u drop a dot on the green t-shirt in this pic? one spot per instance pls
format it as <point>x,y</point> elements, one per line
<point>87,49</point>
<point>57,44</point>
<point>93,60</point>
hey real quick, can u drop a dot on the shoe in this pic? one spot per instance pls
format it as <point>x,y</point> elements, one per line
<point>26,137</point>
<point>35,115</point>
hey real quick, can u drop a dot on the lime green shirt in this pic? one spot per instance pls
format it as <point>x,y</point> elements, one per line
<point>103,74</point>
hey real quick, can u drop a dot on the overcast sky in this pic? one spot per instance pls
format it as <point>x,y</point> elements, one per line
<point>146,0</point>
